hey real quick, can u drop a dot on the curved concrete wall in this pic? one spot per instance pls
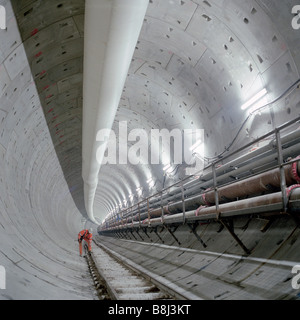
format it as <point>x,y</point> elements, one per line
<point>195,63</point>
<point>39,220</point>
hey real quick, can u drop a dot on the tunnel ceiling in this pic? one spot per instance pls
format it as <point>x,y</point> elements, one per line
<point>194,65</point>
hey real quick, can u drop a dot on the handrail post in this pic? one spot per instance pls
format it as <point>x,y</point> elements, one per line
<point>183,202</point>
<point>148,212</point>
<point>162,209</point>
<point>131,215</point>
<point>216,189</point>
<point>282,173</point>
<point>139,215</point>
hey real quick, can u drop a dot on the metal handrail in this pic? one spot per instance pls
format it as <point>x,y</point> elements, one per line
<point>275,131</point>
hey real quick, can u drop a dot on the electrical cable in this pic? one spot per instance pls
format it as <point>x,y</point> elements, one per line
<point>211,159</point>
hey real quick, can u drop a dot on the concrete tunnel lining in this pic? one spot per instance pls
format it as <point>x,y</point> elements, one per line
<point>195,63</point>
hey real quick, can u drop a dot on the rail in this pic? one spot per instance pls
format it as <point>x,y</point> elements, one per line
<point>212,173</point>
<point>117,278</point>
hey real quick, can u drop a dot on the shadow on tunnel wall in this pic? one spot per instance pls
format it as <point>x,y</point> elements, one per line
<point>52,35</point>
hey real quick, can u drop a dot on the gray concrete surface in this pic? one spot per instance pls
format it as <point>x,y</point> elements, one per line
<point>194,65</point>
<point>221,270</point>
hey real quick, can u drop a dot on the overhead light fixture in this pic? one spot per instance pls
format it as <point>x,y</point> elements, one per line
<point>168,168</point>
<point>139,191</point>
<point>196,145</point>
<point>150,182</point>
<point>254,99</point>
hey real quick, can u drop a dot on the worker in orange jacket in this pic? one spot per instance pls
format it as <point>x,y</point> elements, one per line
<point>87,236</point>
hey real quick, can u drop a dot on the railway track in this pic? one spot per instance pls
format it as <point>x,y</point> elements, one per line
<point>115,280</point>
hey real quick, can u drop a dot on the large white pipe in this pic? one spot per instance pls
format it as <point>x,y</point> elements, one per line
<point>111,32</point>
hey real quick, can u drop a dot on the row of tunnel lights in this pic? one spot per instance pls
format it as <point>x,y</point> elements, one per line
<point>168,168</point>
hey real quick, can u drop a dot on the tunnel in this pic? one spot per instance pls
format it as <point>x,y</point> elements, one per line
<point>101,104</point>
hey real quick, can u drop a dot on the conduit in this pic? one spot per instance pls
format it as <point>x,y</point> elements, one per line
<point>111,31</point>
<point>256,187</point>
<point>264,156</point>
<point>263,183</point>
<point>271,203</point>
<point>266,204</point>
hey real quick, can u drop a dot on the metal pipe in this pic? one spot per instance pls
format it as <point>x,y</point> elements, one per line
<point>271,203</point>
<point>262,183</point>
<point>223,174</point>
<point>262,157</point>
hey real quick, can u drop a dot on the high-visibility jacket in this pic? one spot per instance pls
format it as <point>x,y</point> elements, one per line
<point>85,235</point>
